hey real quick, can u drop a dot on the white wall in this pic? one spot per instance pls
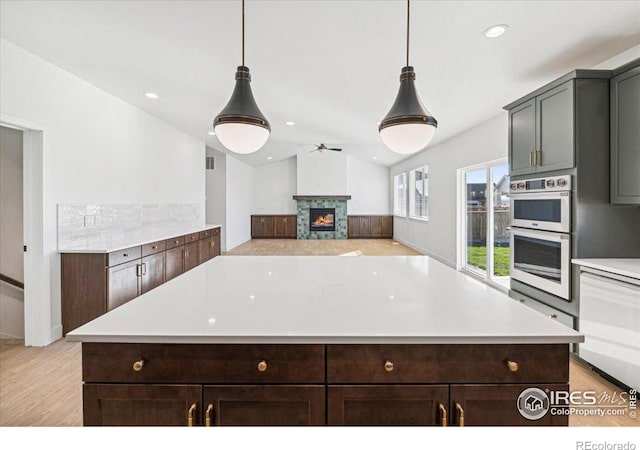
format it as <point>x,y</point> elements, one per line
<point>240,179</point>
<point>322,173</point>
<point>274,187</point>
<point>216,194</point>
<point>437,236</point>
<point>11,233</point>
<point>97,148</point>
<point>368,185</point>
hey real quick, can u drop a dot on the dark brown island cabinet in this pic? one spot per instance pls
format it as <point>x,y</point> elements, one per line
<point>316,384</point>
<point>282,226</point>
<point>94,283</point>
<point>369,227</point>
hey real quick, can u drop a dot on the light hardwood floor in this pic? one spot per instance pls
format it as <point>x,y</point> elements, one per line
<point>42,386</point>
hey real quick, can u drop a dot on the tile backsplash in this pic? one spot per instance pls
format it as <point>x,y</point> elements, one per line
<point>84,223</point>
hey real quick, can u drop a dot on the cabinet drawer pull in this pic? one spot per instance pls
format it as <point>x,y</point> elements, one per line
<point>553,316</point>
<point>176,242</point>
<point>190,414</point>
<point>443,414</point>
<point>460,415</point>
<point>388,366</point>
<point>125,255</point>
<point>137,366</point>
<point>208,415</point>
<point>262,366</point>
<point>153,247</point>
<point>512,366</point>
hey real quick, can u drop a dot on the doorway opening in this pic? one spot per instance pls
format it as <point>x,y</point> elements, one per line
<point>11,235</point>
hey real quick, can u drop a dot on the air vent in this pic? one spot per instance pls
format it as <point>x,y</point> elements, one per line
<point>211,162</point>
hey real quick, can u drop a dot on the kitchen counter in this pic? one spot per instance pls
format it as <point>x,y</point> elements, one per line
<point>324,299</point>
<point>628,267</point>
<point>113,241</point>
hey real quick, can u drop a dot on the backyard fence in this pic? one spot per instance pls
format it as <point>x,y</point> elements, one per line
<point>477,226</point>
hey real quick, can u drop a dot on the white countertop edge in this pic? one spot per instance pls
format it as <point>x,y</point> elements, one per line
<point>133,339</point>
<point>147,240</point>
<point>618,266</point>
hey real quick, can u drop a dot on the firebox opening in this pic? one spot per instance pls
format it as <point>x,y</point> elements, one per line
<point>322,219</point>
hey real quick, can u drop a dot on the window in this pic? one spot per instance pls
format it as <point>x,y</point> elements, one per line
<point>419,192</point>
<point>400,194</point>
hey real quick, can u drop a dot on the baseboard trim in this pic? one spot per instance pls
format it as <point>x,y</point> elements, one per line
<point>425,252</point>
<point>10,336</point>
<point>237,245</point>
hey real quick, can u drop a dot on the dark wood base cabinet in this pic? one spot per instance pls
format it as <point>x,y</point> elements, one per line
<point>280,226</point>
<point>94,283</point>
<point>370,227</point>
<point>268,384</point>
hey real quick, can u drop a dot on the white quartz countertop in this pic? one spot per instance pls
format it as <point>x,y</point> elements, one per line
<point>628,267</point>
<point>324,299</point>
<point>113,241</point>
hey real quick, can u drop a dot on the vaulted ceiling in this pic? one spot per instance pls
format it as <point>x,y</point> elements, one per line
<point>331,67</point>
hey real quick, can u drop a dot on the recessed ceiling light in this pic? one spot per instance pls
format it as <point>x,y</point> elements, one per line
<point>496,30</point>
<point>375,157</point>
<point>290,123</point>
<point>152,95</point>
<point>269,158</point>
<point>212,133</point>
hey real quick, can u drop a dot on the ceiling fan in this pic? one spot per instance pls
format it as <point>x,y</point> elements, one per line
<point>322,148</point>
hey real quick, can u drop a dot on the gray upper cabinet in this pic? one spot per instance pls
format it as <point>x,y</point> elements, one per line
<point>555,129</point>
<point>541,132</point>
<point>625,137</point>
<point>522,138</point>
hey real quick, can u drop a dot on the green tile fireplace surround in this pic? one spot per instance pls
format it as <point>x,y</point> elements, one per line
<point>305,202</point>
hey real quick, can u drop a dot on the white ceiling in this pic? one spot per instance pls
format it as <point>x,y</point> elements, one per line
<point>332,67</point>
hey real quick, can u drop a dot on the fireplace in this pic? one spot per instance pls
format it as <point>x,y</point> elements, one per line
<point>322,219</point>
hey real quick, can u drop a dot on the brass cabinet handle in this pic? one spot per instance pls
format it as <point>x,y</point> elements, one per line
<point>538,158</point>
<point>512,365</point>
<point>460,415</point>
<point>388,366</point>
<point>176,242</point>
<point>137,366</point>
<point>144,268</point>
<point>531,159</point>
<point>213,244</point>
<point>190,415</point>
<point>443,414</point>
<point>138,270</point>
<point>262,366</point>
<point>208,415</point>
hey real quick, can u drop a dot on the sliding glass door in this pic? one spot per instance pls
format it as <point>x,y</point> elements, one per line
<point>485,221</point>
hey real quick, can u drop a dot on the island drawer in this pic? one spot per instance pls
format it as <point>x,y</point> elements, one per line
<point>205,234</point>
<point>215,231</point>
<point>191,237</point>
<point>153,247</point>
<point>202,363</point>
<point>447,363</point>
<point>175,242</point>
<point>123,256</point>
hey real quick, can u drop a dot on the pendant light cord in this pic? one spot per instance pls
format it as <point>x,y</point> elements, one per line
<point>243,32</point>
<point>408,16</point>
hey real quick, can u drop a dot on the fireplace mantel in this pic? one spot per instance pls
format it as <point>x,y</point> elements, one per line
<point>322,197</point>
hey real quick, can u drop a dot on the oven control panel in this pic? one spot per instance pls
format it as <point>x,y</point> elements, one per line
<point>551,184</point>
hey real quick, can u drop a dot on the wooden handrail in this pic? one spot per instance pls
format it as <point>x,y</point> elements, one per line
<point>11,281</point>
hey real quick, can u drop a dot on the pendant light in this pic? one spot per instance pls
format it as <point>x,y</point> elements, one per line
<point>241,127</point>
<point>408,127</point>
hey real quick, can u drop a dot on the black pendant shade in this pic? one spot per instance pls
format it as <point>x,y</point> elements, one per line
<point>408,107</point>
<point>242,106</point>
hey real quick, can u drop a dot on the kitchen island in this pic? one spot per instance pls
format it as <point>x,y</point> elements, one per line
<point>313,340</point>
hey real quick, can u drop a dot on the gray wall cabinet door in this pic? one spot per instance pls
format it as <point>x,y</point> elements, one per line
<point>522,138</point>
<point>625,138</point>
<point>555,128</point>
